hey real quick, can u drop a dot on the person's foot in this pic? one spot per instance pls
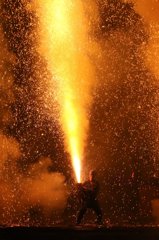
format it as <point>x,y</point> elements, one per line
<point>99,222</point>
<point>78,223</point>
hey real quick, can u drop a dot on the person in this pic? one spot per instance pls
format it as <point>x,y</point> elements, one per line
<point>88,192</point>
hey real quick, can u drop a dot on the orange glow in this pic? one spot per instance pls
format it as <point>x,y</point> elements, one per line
<point>64,43</point>
<point>71,120</point>
<point>77,167</point>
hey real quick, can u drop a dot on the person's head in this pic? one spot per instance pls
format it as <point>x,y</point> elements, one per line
<point>92,175</point>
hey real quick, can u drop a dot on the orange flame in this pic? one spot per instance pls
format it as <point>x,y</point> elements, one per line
<point>71,120</point>
<point>64,44</point>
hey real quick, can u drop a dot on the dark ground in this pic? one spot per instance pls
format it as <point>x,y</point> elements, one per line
<point>88,232</point>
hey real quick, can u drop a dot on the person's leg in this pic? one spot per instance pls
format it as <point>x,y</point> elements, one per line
<point>81,214</point>
<point>98,211</point>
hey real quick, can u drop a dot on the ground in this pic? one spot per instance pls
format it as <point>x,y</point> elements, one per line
<point>88,232</point>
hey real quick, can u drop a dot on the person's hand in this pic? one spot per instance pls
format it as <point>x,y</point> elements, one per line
<point>79,185</point>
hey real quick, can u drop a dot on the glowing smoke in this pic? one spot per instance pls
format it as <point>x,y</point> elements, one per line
<point>9,147</point>
<point>22,191</point>
<point>149,10</point>
<point>65,44</point>
<point>46,189</point>
<point>6,83</point>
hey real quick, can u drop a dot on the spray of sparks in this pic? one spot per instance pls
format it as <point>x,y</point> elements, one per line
<point>65,45</point>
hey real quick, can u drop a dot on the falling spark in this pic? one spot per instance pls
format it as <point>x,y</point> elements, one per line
<point>65,45</point>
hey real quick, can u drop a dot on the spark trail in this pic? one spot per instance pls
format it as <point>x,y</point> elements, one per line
<point>65,44</point>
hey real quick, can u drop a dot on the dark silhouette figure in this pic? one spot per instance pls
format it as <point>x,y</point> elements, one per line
<point>88,193</point>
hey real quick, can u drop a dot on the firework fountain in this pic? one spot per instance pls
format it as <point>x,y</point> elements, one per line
<point>65,43</point>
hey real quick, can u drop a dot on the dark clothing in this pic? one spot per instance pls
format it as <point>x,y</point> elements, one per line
<point>88,193</point>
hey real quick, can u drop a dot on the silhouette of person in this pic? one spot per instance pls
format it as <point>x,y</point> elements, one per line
<point>88,194</point>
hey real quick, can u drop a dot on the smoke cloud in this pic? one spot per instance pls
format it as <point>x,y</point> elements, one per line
<point>149,10</point>
<point>41,191</point>
<point>23,193</point>
<point>46,189</point>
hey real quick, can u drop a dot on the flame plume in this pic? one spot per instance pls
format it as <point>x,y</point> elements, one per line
<point>65,44</point>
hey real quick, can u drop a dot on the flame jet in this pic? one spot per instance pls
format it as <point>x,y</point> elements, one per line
<point>65,44</point>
